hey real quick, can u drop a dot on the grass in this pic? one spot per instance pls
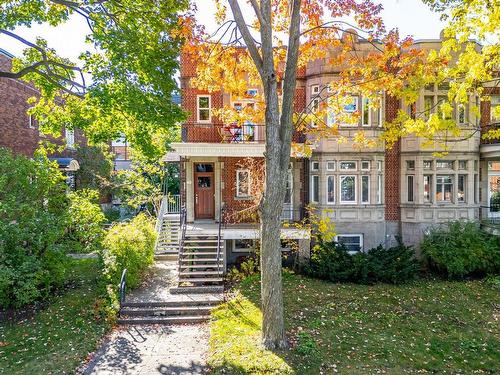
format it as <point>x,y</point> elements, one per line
<point>57,338</point>
<point>427,326</point>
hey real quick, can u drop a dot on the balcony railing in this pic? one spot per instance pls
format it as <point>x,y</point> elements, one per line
<point>228,133</point>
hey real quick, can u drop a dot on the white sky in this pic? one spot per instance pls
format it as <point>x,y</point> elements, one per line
<point>412,17</point>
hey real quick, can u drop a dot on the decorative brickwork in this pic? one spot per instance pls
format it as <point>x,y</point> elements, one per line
<point>392,167</point>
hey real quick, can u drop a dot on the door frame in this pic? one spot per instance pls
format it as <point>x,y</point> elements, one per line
<point>195,189</point>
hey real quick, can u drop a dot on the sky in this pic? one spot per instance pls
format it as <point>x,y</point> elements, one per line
<point>412,17</point>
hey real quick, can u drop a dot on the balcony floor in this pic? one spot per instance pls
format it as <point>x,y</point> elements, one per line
<point>241,230</point>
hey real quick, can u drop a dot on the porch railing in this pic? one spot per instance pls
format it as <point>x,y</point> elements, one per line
<point>182,237</point>
<point>491,214</point>
<point>219,237</point>
<point>173,204</point>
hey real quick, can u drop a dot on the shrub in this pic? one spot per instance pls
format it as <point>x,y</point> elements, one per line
<point>85,232</point>
<point>33,220</point>
<point>460,249</point>
<point>331,261</point>
<point>129,245</point>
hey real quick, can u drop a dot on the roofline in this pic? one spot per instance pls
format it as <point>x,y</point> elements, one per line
<point>6,53</point>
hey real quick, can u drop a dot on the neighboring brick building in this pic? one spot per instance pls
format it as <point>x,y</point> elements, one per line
<point>19,131</point>
<point>372,195</point>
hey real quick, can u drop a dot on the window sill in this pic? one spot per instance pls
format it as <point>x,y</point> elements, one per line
<point>243,198</point>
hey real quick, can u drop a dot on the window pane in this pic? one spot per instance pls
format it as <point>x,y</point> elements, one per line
<point>348,188</point>
<point>365,165</point>
<point>461,186</point>
<point>366,112</point>
<point>365,189</point>
<point>352,243</point>
<point>348,165</point>
<point>331,189</point>
<point>204,114</point>
<point>203,102</point>
<point>428,106</point>
<point>444,164</point>
<point>289,183</point>
<point>204,182</point>
<point>410,188</point>
<point>410,165</point>
<point>476,188</point>
<point>462,164</point>
<point>444,188</point>
<point>315,189</point>
<point>427,164</point>
<point>330,165</point>
<point>427,188</point>
<point>204,167</point>
<point>379,189</point>
<point>243,183</point>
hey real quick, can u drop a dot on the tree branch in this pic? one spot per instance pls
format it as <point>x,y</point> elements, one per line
<point>247,37</point>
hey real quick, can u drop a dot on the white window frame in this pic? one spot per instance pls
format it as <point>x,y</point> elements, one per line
<point>198,97</point>
<point>379,165</point>
<point>412,184</point>
<point>31,122</point>
<point>356,109</point>
<point>365,177</point>
<point>313,177</point>
<point>333,177</point>
<point>355,201</point>
<point>431,187</point>
<point>328,168</point>
<point>369,165</point>
<point>379,188</point>
<point>464,201</point>
<point>239,249</point>
<point>315,102</point>
<point>363,99</point>
<point>313,162</point>
<point>453,190</point>
<point>69,135</point>
<point>360,236</point>
<point>238,193</point>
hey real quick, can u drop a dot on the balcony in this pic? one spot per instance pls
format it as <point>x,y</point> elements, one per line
<point>487,128</point>
<point>228,133</point>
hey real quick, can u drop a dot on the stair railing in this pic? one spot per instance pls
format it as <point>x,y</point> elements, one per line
<point>221,220</point>
<point>122,290</point>
<point>183,223</point>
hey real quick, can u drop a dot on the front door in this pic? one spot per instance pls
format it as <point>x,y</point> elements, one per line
<point>204,191</point>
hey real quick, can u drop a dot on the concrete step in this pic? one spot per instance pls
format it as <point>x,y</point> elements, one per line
<point>192,301</point>
<point>189,240</point>
<point>198,273</point>
<point>198,260</point>
<point>198,266</point>
<point>201,280</point>
<point>166,311</point>
<point>197,289</point>
<point>166,257</point>
<point>200,247</point>
<point>187,319</point>
<point>197,253</point>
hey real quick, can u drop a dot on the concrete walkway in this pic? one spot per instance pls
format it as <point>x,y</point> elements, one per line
<point>148,350</point>
<point>155,349</point>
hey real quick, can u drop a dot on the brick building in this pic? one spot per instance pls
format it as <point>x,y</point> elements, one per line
<point>372,195</point>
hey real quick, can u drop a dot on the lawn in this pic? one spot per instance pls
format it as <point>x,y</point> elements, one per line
<point>58,337</point>
<point>428,326</point>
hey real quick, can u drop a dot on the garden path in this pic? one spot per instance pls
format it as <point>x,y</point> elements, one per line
<point>154,349</point>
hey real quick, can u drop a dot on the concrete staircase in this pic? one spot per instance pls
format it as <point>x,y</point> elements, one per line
<point>167,312</point>
<point>167,244</point>
<point>200,271</point>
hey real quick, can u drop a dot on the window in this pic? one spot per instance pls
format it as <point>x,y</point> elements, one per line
<point>243,245</point>
<point>427,164</point>
<point>32,123</point>
<point>444,188</point>
<point>365,112</point>
<point>351,107</point>
<point>495,108</point>
<point>476,188</point>
<point>315,100</point>
<point>409,188</point>
<point>348,165</point>
<point>462,164</point>
<point>243,183</point>
<point>434,97</point>
<point>379,166</point>
<point>315,89</point>
<point>289,185</point>
<point>475,165</point>
<point>410,165</point>
<point>444,164</point>
<point>252,93</point>
<point>70,138</point>
<point>314,165</point>
<point>365,165</point>
<point>461,188</point>
<point>315,188</point>
<point>379,189</point>
<point>427,188</point>
<point>461,116</point>
<point>204,114</point>
<point>347,189</point>
<point>204,182</point>
<point>365,189</point>
<point>204,168</point>
<point>330,189</point>
<point>330,165</point>
<point>352,242</point>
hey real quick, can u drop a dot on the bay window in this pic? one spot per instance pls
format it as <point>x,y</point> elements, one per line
<point>314,188</point>
<point>330,189</point>
<point>348,189</point>
<point>444,188</point>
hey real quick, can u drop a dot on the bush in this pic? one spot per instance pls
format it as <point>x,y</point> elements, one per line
<point>33,221</point>
<point>85,232</point>
<point>131,246</point>
<point>461,249</point>
<point>331,261</point>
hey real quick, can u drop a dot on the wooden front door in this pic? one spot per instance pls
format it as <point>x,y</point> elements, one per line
<point>204,191</point>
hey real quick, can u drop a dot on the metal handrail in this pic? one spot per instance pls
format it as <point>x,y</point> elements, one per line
<point>122,289</point>
<point>221,219</point>
<point>183,223</point>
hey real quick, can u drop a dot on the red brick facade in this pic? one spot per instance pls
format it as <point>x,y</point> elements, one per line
<point>392,167</point>
<point>17,132</point>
